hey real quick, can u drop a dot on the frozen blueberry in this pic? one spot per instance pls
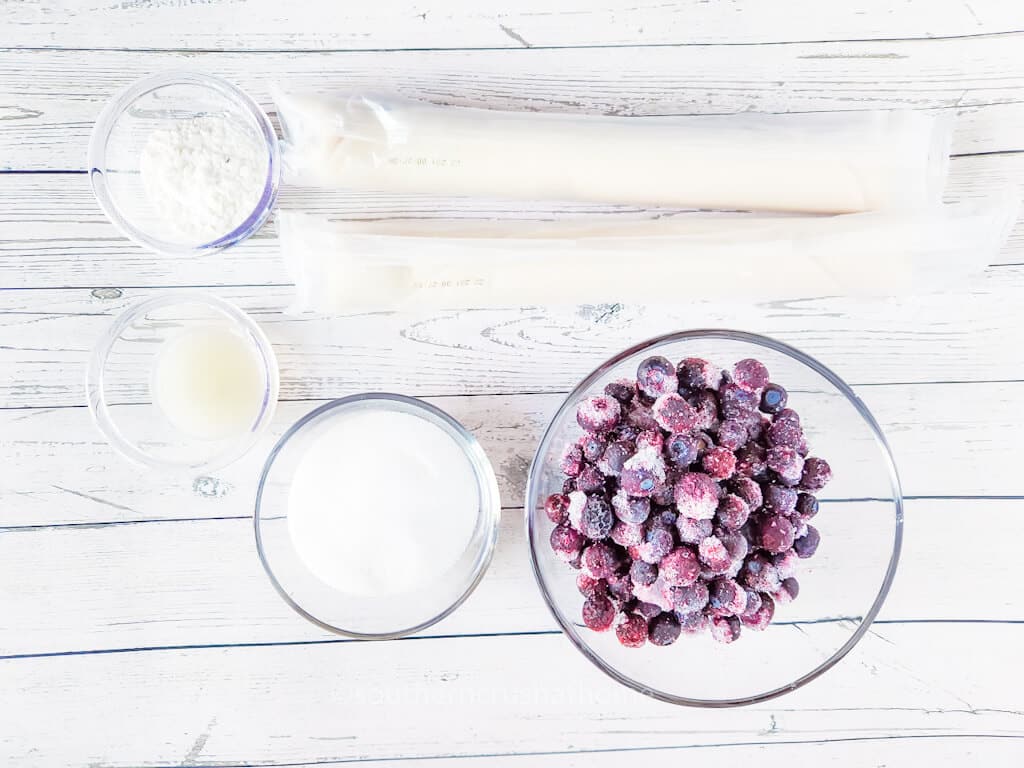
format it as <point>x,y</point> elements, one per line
<point>816,474</point>
<point>696,495</point>
<point>598,413</point>
<point>682,449</point>
<point>736,545</point>
<point>629,509</point>
<point>788,592</point>
<point>750,461</point>
<point>623,433</point>
<point>719,463</point>
<point>657,543</point>
<point>643,573</point>
<point>786,563</point>
<point>587,585</point>
<point>590,480</point>
<point>807,544</point>
<point>705,404</point>
<point>735,402</point>
<point>574,561</point>
<point>650,439</point>
<point>749,490</point>
<point>568,485</point>
<point>556,507</point>
<point>806,506</point>
<point>566,542</point>
<point>656,376</point>
<point>787,464</point>
<point>631,630</point>
<point>689,598</point>
<point>732,434</point>
<point>598,613</point>
<point>571,463</point>
<point>753,604</point>
<point>750,375</point>
<point>726,598</point>
<point>732,512</point>
<point>773,398</point>
<point>762,617</point>
<point>784,432</point>
<point>679,567</point>
<point>713,555</point>
<point>600,560</point>
<point>760,574</point>
<point>627,534</point>
<point>692,531</point>
<point>614,458</point>
<point>725,629</point>
<point>620,587</point>
<point>643,474</point>
<point>596,519</point>
<point>756,425</point>
<point>692,623</point>
<point>647,610</point>
<point>788,414</point>
<point>778,499</point>
<point>696,374</point>
<point>673,413</point>
<point>663,629</point>
<point>776,533</point>
<point>622,390</point>
<point>592,447</point>
<point>641,418</point>
<point>665,495</point>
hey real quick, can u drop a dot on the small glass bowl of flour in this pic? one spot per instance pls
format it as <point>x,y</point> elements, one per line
<point>376,515</point>
<point>184,163</point>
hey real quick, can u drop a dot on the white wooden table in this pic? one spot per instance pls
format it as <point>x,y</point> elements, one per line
<point>136,626</point>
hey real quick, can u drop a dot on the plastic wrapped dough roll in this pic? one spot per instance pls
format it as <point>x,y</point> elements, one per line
<point>818,163</point>
<point>341,267</point>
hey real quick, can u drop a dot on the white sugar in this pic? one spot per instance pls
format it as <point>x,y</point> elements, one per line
<point>381,503</point>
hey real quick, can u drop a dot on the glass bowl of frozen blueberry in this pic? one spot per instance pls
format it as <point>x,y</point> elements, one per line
<point>714,518</point>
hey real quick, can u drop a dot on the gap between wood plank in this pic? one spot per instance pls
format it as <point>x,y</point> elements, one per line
<point>468,635</point>
<point>520,47</point>
<point>680,747</point>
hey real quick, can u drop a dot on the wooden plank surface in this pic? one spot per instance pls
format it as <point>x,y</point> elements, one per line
<point>266,24</point>
<point>50,99</point>
<point>339,702</point>
<point>68,475</point>
<point>137,628</point>
<point>201,584</point>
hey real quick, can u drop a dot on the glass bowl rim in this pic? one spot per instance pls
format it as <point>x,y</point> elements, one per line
<point>96,395</point>
<point>530,513</point>
<point>490,512</point>
<point>121,101</point>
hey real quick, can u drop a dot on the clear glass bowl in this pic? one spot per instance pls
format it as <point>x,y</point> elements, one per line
<point>841,588</point>
<point>119,382</point>
<point>360,616</point>
<point>159,102</point>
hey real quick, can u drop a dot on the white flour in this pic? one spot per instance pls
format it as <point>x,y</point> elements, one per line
<point>382,503</point>
<point>203,176</point>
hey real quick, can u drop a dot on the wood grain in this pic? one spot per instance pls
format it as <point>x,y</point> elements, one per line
<point>171,584</point>
<point>50,99</point>
<point>332,703</point>
<point>264,24</point>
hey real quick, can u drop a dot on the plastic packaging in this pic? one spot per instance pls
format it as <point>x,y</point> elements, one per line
<point>818,163</point>
<point>340,267</point>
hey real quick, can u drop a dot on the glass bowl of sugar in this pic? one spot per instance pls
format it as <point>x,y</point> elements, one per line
<point>184,163</point>
<point>182,381</point>
<point>376,516</point>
